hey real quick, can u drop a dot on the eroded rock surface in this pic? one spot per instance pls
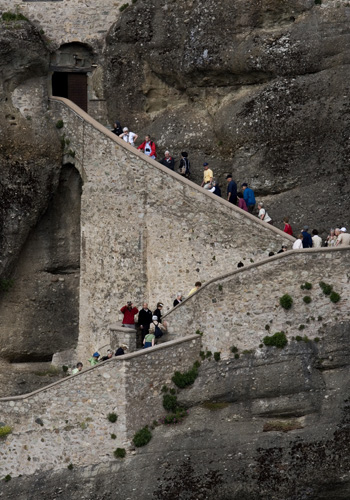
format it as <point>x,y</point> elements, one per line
<point>271,425</point>
<point>39,208</point>
<point>257,88</point>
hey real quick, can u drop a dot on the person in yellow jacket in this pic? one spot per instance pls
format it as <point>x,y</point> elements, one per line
<point>196,287</point>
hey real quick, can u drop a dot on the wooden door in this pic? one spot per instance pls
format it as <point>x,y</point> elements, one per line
<point>77,89</point>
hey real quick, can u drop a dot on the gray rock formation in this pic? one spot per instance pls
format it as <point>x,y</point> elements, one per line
<point>257,88</point>
<point>271,425</point>
<point>39,211</point>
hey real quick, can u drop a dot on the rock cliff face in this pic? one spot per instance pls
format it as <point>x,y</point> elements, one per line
<point>271,425</point>
<point>257,88</point>
<point>33,247</point>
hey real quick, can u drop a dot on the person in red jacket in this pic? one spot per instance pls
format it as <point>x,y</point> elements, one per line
<point>148,147</point>
<point>129,315</point>
<point>287,227</point>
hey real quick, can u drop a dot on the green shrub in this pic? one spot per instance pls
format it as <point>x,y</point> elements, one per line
<point>198,332</point>
<point>7,478</point>
<point>317,339</point>
<point>267,327</point>
<point>120,453</point>
<point>208,354</point>
<point>278,339</point>
<point>172,391</point>
<point>11,16</point>
<point>327,289</point>
<point>306,286</point>
<point>71,153</point>
<point>306,339</point>
<point>298,338</point>
<point>112,417</point>
<point>307,299</point>
<point>301,327</point>
<point>142,437</point>
<point>5,284</point>
<point>335,297</point>
<point>261,345</point>
<point>174,418</point>
<point>113,436</point>
<point>64,368</point>
<point>319,318</point>
<point>217,356</point>
<point>184,379</point>
<point>59,124</point>
<point>220,288</point>
<point>5,430</point>
<point>164,388</point>
<point>170,402</point>
<point>236,355</point>
<point>197,364</point>
<point>70,466</point>
<point>318,2</point>
<point>202,354</point>
<point>234,349</point>
<point>123,7</point>
<point>286,301</point>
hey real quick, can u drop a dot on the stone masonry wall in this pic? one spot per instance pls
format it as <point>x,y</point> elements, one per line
<point>147,232</point>
<point>68,20</point>
<point>234,310</point>
<point>72,413</point>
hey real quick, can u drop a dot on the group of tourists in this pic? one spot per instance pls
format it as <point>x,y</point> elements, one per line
<point>337,237</point>
<point>97,358</point>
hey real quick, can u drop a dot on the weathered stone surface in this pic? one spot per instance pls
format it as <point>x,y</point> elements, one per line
<point>147,233</point>
<point>40,312</point>
<point>29,156</point>
<point>257,88</point>
<point>73,412</point>
<point>68,20</point>
<point>240,449</point>
<point>241,308</point>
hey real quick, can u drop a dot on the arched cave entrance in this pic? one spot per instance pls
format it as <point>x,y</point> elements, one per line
<point>71,66</point>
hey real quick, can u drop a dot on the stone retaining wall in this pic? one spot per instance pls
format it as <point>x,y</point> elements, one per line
<point>66,423</point>
<point>68,20</point>
<point>147,233</point>
<point>234,310</point>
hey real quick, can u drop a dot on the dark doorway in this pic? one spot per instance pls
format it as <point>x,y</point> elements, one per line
<point>73,86</point>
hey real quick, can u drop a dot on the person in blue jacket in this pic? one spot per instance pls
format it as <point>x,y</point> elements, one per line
<point>249,198</point>
<point>307,240</point>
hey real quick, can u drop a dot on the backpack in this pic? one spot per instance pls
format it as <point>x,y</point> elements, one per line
<point>157,332</point>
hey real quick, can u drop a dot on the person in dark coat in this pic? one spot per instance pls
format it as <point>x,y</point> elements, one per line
<point>184,167</point>
<point>231,190</point>
<point>118,129</point>
<point>145,319</point>
<point>178,300</point>
<point>307,240</point>
<point>168,161</point>
<point>158,312</point>
<point>216,189</point>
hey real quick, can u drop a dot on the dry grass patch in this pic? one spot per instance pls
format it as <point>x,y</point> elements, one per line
<point>282,425</point>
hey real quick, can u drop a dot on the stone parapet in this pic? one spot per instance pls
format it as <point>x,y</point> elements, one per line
<point>240,308</point>
<point>120,335</point>
<point>146,232</point>
<point>72,413</point>
<point>68,20</point>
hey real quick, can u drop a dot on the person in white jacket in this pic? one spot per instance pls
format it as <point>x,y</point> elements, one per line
<point>298,243</point>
